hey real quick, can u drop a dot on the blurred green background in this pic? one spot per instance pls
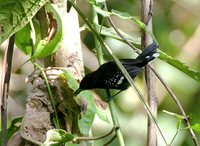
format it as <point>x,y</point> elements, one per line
<point>176,25</point>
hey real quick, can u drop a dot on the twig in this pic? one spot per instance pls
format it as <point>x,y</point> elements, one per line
<point>119,33</point>
<point>111,140</point>
<point>77,139</point>
<point>153,104</point>
<point>124,71</point>
<point>179,106</point>
<point>97,44</point>
<point>162,81</point>
<point>5,88</point>
<point>115,119</point>
<point>111,102</point>
<point>55,117</point>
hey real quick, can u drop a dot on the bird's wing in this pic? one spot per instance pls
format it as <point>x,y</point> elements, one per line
<point>133,70</point>
<point>130,61</point>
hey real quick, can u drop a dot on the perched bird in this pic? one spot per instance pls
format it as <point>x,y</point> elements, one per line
<point>109,76</point>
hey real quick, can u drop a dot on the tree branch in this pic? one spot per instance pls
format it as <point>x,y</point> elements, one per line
<point>146,16</point>
<point>5,88</point>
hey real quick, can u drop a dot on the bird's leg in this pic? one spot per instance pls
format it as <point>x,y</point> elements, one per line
<point>112,96</point>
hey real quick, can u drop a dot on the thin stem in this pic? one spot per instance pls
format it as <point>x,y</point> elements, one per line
<point>97,44</point>
<point>194,138</point>
<point>111,102</point>
<point>55,117</point>
<point>115,119</point>
<point>124,71</point>
<point>111,140</point>
<point>95,138</point>
<point>174,137</point>
<point>121,35</point>
<point>162,81</point>
<point>149,111</point>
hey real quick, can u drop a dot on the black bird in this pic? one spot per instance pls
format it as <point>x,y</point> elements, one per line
<point>109,76</point>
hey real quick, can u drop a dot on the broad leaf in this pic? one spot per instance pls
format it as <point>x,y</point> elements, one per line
<point>86,119</point>
<point>196,127</point>
<point>102,115</point>
<point>110,32</point>
<point>23,40</point>
<point>47,47</point>
<point>15,14</point>
<point>181,66</point>
<point>14,127</point>
<point>163,56</point>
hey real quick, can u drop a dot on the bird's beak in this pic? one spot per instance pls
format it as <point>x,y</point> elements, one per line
<point>77,92</point>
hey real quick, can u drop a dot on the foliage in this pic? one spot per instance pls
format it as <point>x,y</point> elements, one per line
<point>86,118</point>
<point>14,127</point>
<point>57,137</point>
<point>15,14</point>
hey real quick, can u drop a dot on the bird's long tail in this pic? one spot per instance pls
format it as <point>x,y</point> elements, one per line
<point>148,54</point>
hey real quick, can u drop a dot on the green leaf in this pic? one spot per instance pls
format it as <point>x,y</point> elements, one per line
<point>110,32</point>
<point>102,12</point>
<point>179,117</point>
<point>86,119</point>
<point>196,127</point>
<point>44,47</point>
<point>15,14</point>
<point>14,127</point>
<point>95,2</point>
<point>126,16</point>
<point>56,137</point>
<point>179,65</point>
<point>23,40</point>
<point>102,115</point>
<point>163,56</point>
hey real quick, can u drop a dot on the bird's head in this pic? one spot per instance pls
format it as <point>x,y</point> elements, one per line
<point>86,83</point>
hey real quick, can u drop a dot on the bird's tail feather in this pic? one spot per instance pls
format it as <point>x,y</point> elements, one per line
<point>148,54</point>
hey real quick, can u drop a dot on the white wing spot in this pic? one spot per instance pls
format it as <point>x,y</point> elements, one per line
<point>120,80</point>
<point>147,57</point>
<point>156,54</point>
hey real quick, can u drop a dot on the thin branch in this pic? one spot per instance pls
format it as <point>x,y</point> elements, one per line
<point>124,71</point>
<point>5,90</point>
<point>77,139</point>
<point>150,85</point>
<point>119,33</point>
<point>111,140</point>
<point>115,119</point>
<point>162,81</point>
<point>55,117</point>
<point>194,138</point>
<point>111,102</point>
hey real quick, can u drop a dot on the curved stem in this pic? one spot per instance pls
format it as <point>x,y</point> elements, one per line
<point>55,117</point>
<point>97,137</point>
<point>111,102</point>
<point>108,142</point>
<point>115,119</point>
<point>194,138</point>
<point>124,71</point>
<point>97,44</point>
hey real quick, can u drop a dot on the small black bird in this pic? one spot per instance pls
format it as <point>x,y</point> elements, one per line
<point>109,76</point>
